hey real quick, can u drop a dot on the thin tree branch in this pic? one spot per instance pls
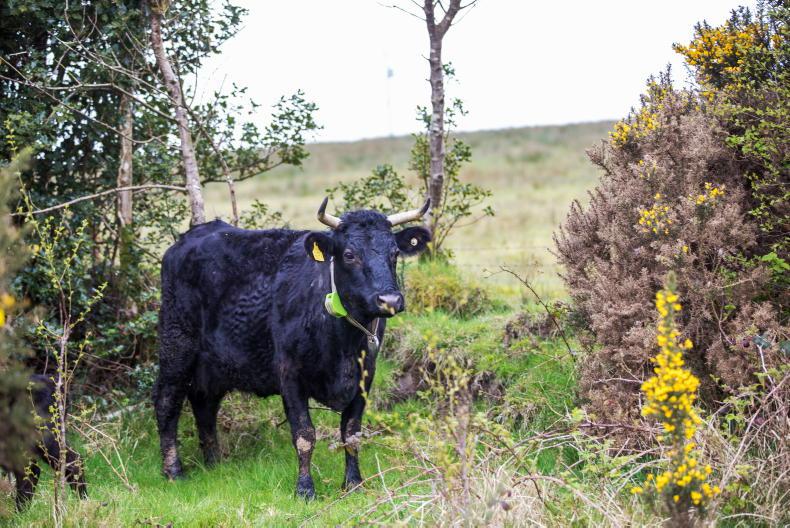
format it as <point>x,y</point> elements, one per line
<point>527,285</point>
<point>103,193</point>
<point>173,87</point>
<point>399,8</point>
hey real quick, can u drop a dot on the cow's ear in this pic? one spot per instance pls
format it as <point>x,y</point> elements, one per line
<point>413,240</point>
<point>319,246</point>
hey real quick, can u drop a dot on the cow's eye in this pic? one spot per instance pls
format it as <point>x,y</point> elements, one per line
<point>348,255</point>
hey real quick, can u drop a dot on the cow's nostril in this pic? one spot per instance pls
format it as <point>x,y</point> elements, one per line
<point>390,302</point>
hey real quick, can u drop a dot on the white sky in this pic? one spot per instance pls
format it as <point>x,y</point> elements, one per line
<point>518,62</point>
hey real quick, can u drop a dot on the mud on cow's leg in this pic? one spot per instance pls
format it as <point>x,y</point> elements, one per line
<point>168,399</point>
<point>205,408</point>
<point>350,427</point>
<point>303,437</point>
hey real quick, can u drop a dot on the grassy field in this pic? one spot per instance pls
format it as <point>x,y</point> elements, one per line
<point>253,484</point>
<point>534,174</point>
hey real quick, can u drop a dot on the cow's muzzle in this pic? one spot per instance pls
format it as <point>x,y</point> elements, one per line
<point>390,303</point>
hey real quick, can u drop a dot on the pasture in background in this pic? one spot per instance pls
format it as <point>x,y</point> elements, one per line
<point>534,173</point>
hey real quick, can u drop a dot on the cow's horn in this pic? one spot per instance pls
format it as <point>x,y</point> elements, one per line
<point>408,216</point>
<point>326,218</point>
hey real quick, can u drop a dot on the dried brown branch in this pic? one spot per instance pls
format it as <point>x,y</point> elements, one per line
<point>551,315</point>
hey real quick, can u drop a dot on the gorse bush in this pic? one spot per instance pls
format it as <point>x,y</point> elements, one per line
<point>677,194</point>
<point>742,69</point>
<point>16,422</point>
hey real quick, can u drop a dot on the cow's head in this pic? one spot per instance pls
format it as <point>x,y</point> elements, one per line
<point>365,251</point>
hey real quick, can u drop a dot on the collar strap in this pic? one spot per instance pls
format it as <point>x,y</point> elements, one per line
<point>335,308</point>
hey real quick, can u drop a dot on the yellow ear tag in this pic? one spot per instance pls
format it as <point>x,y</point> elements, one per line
<point>318,256</point>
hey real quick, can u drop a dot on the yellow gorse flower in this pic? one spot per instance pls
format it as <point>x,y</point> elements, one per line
<point>721,51</point>
<point>640,125</point>
<point>655,219</point>
<point>710,194</point>
<point>6,303</point>
<point>669,396</point>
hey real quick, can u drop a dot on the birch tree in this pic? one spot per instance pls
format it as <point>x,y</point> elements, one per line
<point>438,21</point>
<point>173,86</point>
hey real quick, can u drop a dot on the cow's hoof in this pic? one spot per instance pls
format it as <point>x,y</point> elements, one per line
<point>174,473</point>
<point>352,484</point>
<point>305,488</point>
<point>211,458</point>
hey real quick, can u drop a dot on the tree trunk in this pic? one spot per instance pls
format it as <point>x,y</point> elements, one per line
<point>436,32</point>
<point>173,87</point>
<point>125,166</point>
<point>125,220</point>
<point>436,132</point>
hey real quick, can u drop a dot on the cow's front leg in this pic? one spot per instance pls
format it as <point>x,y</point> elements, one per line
<point>350,427</point>
<point>302,435</point>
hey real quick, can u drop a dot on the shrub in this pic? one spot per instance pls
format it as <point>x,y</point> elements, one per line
<point>440,286</point>
<point>741,67</point>
<point>384,190</point>
<point>260,216</point>
<point>674,196</point>
<point>16,422</point>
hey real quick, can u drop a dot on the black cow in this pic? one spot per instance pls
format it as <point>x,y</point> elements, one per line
<point>245,310</point>
<point>45,446</point>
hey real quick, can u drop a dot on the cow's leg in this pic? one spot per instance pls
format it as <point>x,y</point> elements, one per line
<point>26,485</point>
<point>350,427</point>
<point>168,399</point>
<point>302,435</point>
<point>205,408</point>
<point>50,451</point>
<point>75,473</point>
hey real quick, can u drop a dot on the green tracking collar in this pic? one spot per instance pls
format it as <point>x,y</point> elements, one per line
<point>335,308</point>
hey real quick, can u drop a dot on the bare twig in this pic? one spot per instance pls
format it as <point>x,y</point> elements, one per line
<point>556,323</point>
<point>100,194</point>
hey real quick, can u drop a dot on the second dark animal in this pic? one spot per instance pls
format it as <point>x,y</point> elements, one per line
<point>44,446</point>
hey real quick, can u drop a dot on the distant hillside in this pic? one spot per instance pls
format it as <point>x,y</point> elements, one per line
<point>533,172</point>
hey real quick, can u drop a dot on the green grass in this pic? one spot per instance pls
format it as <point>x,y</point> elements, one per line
<point>253,484</point>
<point>537,375</point>
<point>534,174</point>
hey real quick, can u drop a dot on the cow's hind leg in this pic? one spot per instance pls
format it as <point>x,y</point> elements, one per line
<point>350,427</point>
<point>75,474</point>
<point>26,485</point>
<point>205,408</point>
<point>168,400</point>
<point>302,435</point>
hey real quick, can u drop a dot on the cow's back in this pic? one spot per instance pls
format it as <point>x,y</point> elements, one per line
<point>214,282</point>
<point>206,261</point>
